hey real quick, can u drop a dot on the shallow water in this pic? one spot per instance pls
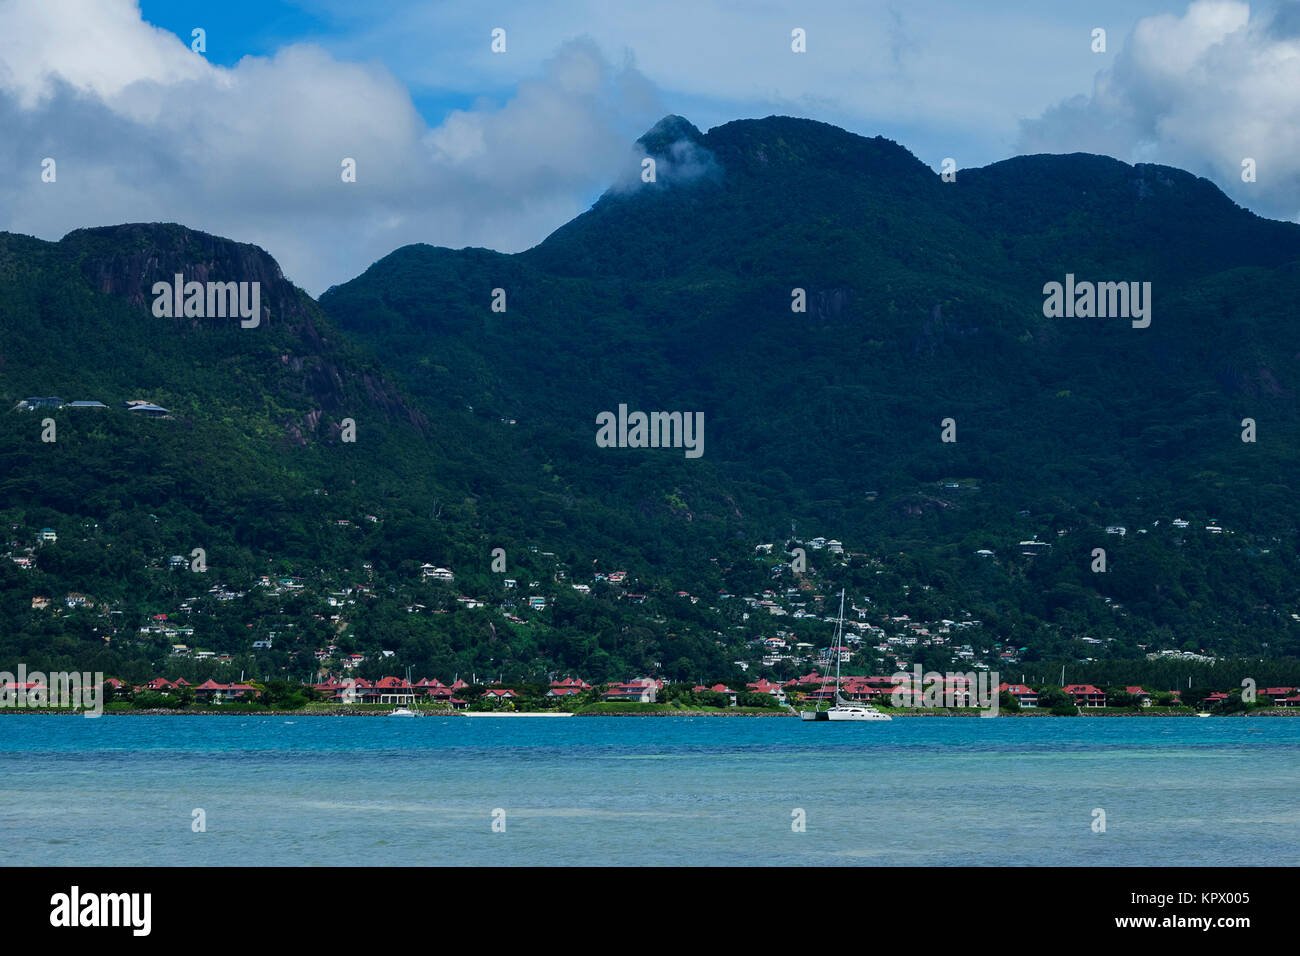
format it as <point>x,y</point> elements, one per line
<point>666,791</point>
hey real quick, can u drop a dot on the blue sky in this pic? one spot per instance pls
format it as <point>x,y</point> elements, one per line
<point>456,145</point>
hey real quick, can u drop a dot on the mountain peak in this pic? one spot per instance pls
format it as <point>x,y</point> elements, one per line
<point>669,130</point>
<point>127,259</point>
<point>791,142</point>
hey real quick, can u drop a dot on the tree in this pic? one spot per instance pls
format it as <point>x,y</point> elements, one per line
<point>1116,697</point>
<point>1195,696</point>
<point>1232,704</point>
<point>1057,701</point>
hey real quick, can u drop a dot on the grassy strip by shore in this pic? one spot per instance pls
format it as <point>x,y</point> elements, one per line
<point>627,708</point>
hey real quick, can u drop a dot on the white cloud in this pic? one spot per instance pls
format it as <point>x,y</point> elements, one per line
<point>1201,91</point>
<point>99,49</point>
<point>145,130</point>
<point>142,129</point>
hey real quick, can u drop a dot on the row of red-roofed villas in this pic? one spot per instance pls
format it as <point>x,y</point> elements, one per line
<point>1084,695</point>
<point>209,691</point>
<point>397,691</point>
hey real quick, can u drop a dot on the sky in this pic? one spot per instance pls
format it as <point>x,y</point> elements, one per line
<point>457,145</point>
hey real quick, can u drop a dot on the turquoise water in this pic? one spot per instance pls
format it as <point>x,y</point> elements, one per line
<point>666,791</point>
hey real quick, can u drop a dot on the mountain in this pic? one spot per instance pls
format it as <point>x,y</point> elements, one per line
<point>925,301</point>
<point>253,466</point>
<point>476,430</point>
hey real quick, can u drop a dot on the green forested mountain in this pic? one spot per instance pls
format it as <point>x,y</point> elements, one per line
<point>475,429</point>
<point>924,302</point>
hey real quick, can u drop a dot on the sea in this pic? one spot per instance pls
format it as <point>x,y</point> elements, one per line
<point>664,791</point>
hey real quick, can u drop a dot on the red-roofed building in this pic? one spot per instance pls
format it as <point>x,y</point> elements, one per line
<point>1023,694</point>
<point>1085,695</point>
<point>571,682</point>
<point>1143,697</point>
<point>765,686</point>
<point>636,692</point>
<point>724,689</point>
<point>389,690</point>
<point>215,693</point>
<point>338,692</point>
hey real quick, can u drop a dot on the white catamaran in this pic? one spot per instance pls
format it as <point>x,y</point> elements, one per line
<point>407,711</point>
<point>843,709</point>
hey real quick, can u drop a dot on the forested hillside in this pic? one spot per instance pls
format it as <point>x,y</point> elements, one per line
<point>475,429</point>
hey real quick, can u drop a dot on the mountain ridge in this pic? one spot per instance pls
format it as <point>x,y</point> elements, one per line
<point>923,302</point>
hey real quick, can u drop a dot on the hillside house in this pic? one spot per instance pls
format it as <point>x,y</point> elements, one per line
<point>147,410</point>
<point>32,404</point>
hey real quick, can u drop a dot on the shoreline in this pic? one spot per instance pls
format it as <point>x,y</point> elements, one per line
<point>348,712</point>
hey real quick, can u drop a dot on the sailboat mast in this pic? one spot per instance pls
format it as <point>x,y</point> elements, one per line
<point>839,635</point>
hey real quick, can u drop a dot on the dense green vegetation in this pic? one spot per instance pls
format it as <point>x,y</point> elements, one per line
<point>475,429</point>
<point>924,302</point>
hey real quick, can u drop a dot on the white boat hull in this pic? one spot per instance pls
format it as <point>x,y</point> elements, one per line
<point>856,713</point>
<point>844,713</point>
